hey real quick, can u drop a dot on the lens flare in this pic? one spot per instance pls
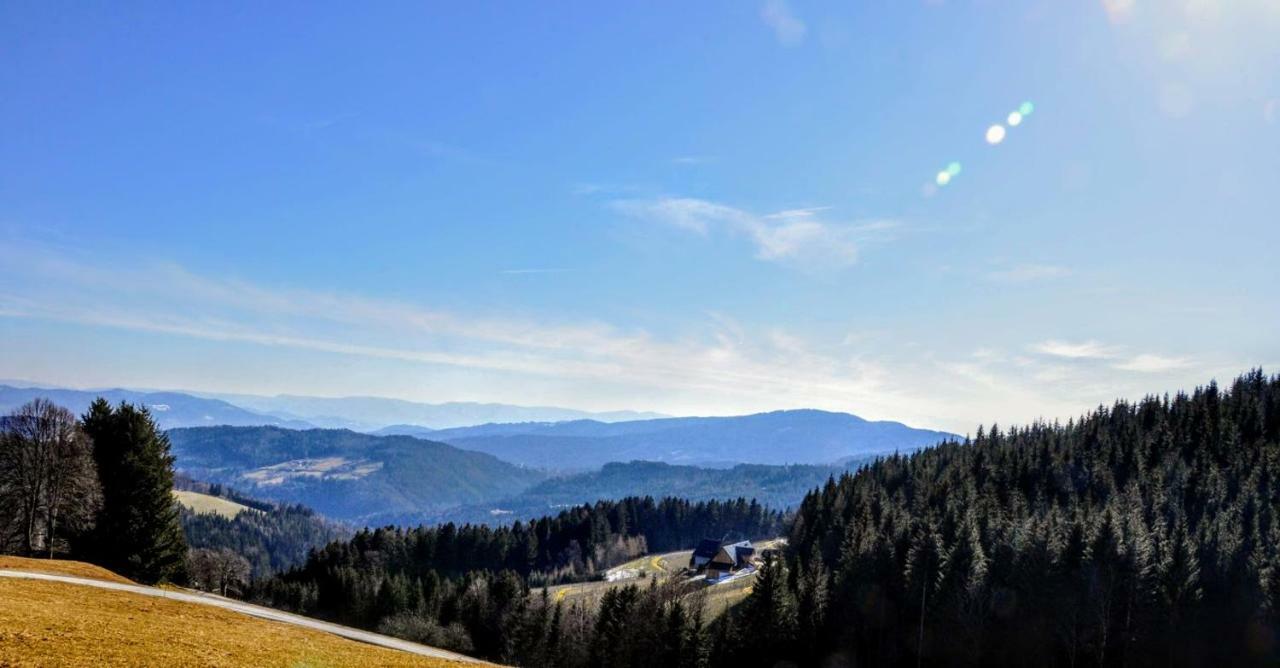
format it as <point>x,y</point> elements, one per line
<point>953,169</point>
<point>943,178</point>
<point>995,134</point>
<point>1026,108</point>
<point>1014,119</point>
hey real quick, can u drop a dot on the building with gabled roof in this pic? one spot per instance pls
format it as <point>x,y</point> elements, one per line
<point>719,558</point>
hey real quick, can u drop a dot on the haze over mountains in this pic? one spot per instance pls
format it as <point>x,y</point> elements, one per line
<point>496,473</point>
<point>170,409</point>
<point>174,409</point>
<point>779,437</point>
<point>392,470</point>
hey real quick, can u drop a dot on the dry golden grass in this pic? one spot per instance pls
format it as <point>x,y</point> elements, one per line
<point>60,567</point>
<point>204,503</point>
<point>56,624</point>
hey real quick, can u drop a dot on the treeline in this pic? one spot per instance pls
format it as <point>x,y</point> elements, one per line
<point>1142,534</point>
<point>272,539</point>
<point>98,488</point>
<point>579,541</point>
<point>466,587</point>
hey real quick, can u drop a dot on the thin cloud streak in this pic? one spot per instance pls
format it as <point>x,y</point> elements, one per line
<point>1082,350</point>
<point>797,236</point>
<point>721,366</point>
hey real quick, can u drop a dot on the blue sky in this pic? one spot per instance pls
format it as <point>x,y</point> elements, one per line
<point>694,208</point>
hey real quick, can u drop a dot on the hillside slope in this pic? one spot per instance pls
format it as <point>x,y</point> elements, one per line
<point>778,487</point>
<point>48,623</point>
<point>343,474</point>
<point>779,437</point>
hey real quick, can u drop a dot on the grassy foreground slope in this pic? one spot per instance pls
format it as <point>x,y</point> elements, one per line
<point>58,624</point>
<point>77,569</point>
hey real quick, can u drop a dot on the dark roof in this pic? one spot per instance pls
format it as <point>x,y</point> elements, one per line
<point>707,548</point>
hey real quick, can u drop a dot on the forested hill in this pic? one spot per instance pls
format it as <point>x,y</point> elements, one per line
<point>1143,534</point>
<point>777,487</point>
<point>343,474</point>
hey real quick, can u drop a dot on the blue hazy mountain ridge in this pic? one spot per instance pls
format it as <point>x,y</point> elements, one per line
<point>170,409</point>
<point>375,413</point>
<point>344,474</point>
<point>779,437</point>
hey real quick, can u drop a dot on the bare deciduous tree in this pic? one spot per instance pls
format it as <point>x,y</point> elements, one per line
<point>219,571</point>
<point>48,482</point>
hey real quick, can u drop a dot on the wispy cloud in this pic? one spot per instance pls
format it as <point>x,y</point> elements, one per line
<point>712,365</point>
<point>1147,363</point>
<point>801,236</point>
<point>1081,350</point>
<point>1025,273</point>
<point>692,160</point>
<point>1116,356</point>
<point>789,29</point>
<point>714,358</point>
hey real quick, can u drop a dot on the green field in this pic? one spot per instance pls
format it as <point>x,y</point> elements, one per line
<point>204,503</point>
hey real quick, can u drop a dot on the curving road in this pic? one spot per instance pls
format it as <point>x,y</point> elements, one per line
<point>248,609</point>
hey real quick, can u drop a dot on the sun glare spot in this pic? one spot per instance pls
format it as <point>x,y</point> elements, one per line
<point>943,178</point>
<point>995,134</point>
<point>1118,11</point>
<point>1014,119</point>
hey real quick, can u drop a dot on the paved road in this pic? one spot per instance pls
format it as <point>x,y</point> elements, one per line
<point>254,610</point>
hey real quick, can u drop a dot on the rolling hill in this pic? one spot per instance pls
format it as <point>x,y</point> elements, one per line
<point>346,475</point>
<point>779,437</point>
<point>772,485</point>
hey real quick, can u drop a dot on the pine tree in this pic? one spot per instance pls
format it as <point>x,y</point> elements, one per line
<point>138,533</point>
<point>768,617</point>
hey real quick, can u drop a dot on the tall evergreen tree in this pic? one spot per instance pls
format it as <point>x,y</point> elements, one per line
<point>138,533</point>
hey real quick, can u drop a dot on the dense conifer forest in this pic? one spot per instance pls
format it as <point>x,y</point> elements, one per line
<point>1146,533</point>
<point>275,539</point>
<point>467,588</point>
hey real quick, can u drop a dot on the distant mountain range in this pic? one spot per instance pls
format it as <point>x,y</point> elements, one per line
<point>372,413</point>
<point>495,473</point>
<point>409,471</point>
<point>344,474</point>
<point>170,409</point>
<point>194,409</point>
<point>780,437</point>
